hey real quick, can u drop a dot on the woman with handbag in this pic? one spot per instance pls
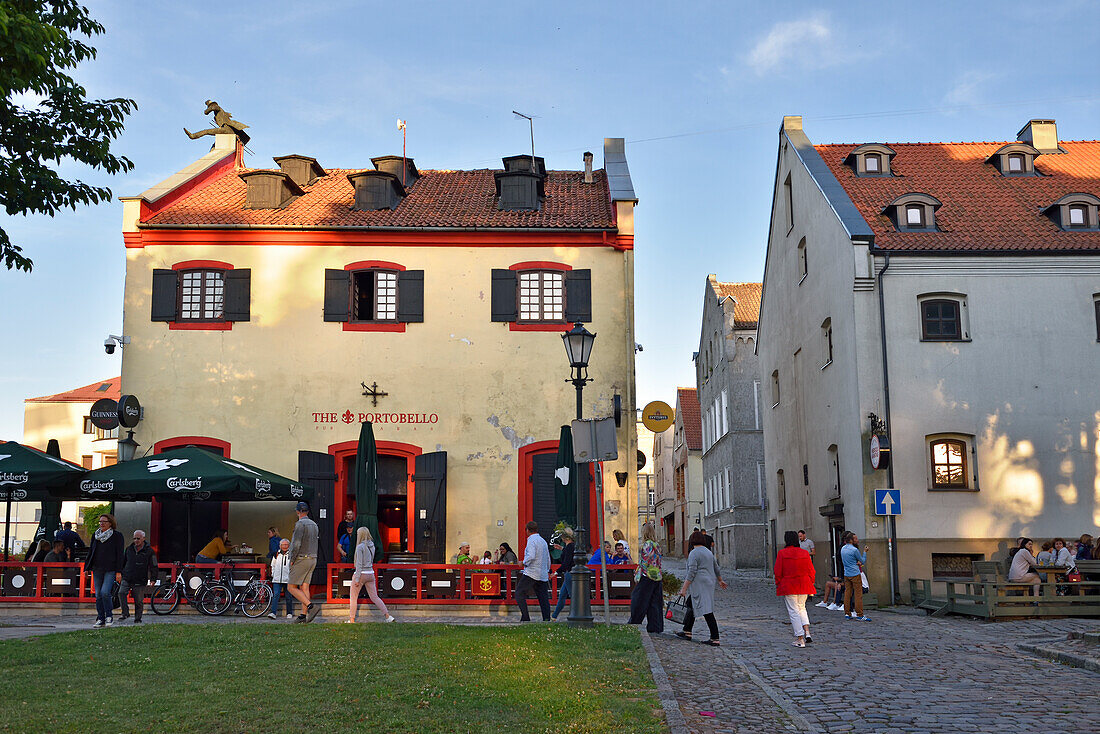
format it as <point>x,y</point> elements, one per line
<point>702,574</point>
<point>105,562</point>
<point>794,581</point>
<point>646,599</point>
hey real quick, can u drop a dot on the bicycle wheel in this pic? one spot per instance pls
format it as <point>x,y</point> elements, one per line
<point>256,599</point>
<point>215,600</point>
<point>165,600</point>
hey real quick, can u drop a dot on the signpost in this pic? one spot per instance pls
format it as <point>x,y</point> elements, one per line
<point>888,505</point>
<point>594,441</point>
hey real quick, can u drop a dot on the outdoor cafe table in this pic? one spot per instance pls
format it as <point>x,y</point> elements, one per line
<point>1050,571</point>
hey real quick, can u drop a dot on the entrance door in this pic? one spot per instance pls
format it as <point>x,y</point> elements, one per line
<point>431,506</point>
<point>836,530</point>
<point>206,521</point>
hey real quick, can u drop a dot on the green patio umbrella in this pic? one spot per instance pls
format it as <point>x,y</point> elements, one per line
<point>366,486</point>
<point>30,475</point>
<point>50,522</point>
<point>565,480</point>
<point>192,474</point>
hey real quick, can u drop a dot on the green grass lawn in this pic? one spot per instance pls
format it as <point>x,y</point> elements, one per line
<point>329,677</point>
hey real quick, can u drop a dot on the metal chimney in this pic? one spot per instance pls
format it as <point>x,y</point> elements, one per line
<point>587,167</point>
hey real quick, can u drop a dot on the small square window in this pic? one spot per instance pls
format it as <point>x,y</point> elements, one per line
<point>914,215</point>
<point>1077,216</point>
<point>872,163</point>
<point>940,321</point>
<point>1016,163</point>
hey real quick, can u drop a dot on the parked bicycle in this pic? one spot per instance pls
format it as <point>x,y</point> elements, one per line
<point>167,597</point>
<point>253,597</point>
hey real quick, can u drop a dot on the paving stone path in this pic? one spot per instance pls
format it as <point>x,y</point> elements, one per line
<point>901,672</point>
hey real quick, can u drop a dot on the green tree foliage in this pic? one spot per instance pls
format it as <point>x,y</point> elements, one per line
<point>91,517</point>
<point>36,47</point>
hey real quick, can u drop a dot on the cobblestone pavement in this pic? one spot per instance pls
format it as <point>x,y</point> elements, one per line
<point>897,673</point>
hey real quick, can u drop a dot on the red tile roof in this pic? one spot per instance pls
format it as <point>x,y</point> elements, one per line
<point>982,210</point>
<point>450,199</point>
<point>688,412</point>
<point>746,311</point>
<point>111,388</point>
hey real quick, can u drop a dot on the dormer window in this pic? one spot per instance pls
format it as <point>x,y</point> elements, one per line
<point>871,159</point>
<point>1075,212</point>
<point>913,212</point>
<point>1015,159</point>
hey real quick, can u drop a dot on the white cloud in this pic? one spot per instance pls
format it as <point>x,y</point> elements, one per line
<point>810,36</point>
<point>968,88</point>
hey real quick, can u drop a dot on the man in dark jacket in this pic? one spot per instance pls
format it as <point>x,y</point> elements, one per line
<point>139,568</point>
<point>70,538</point>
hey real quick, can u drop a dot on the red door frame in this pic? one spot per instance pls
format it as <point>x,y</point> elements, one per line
<point>524,490</point>
<point>175,443</point>
<point>346,449</point>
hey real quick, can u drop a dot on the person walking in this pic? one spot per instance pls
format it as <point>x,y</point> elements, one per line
<point>280,579</point>
<point>303,559</point>
<point>794,581</point>
<point>273,541</point>
<point>853,561</point>
<point>647,599</point>
<point>535,575</point>
<point>565,568</point>
<point>139,569</point>
<point>105,562</point>
<point>364,576</point>
<point>702,574</point>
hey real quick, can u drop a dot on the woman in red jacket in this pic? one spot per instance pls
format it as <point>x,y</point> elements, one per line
<point>794,581</point>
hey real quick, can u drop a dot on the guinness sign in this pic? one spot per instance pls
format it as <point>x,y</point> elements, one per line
<point>104,414</point>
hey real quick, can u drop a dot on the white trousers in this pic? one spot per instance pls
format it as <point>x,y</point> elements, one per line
<point>796,608</point>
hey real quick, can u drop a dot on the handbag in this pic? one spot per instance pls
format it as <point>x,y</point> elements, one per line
<point>677,609</point>
<point>863,581</point>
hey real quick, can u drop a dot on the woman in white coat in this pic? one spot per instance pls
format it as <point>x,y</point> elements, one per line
<point>364,576</point>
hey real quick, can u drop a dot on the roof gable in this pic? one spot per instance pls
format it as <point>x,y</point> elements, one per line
<point>111,388</point>
<point>690,416</point>
<point>746,296</point>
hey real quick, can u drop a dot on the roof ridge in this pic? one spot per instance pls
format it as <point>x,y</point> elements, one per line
<point>945,142</point>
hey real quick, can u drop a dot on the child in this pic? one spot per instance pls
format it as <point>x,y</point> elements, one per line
<point>486,559</point>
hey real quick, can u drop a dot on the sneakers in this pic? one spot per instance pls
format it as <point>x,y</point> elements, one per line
<point>821,604</point>
<point>98,624</point>
<point>835,607</point>
<point>271,615</point>
<point>110,621</point>
<point>300,619</point>
<point>349,621</point>
<point>390,618</point>
<point>809,639</point>
<point>799,643</point>
<point>849,617</point>
<point>863,618</point>
<point>137,620</point>
<point>290,616</point>
<point>312,611</point>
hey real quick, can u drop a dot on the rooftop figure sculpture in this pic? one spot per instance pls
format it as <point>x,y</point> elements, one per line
<point>225,124</point>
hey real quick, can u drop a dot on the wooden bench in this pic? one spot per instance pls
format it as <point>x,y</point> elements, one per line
<point>1089,567</point>
<point>993,572</point>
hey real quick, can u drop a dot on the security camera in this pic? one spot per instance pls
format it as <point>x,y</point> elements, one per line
<point>112,341</point>
<point>637,347</point>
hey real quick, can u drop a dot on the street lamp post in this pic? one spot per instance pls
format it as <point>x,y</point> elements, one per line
<point>127,447</point>
<point>578,347</point>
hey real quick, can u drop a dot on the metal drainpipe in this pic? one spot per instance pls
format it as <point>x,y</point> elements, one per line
<point>889,423</point>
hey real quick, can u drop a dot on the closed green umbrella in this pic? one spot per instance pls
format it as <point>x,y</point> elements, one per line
<point>366,486</point>
<point>50,521</point>
<point>565,480</point>
<point>30,475</point>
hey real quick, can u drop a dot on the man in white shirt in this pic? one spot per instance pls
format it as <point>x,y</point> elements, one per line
<point>806,544</point>
<point>536,574</point>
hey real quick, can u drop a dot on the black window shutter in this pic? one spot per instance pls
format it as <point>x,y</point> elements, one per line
<point>578,295</point>
<point>238,294</point>
<point>410,295</point>
<point>504,296</point>
<point>318,472</point>
<point>336,295</point>
<point>431,506</point>
<point>165,285</point>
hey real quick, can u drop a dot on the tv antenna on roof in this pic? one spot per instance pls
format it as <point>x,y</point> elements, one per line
<point>531,120</point>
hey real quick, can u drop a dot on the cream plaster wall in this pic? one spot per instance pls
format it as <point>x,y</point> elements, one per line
<point>261,385</point>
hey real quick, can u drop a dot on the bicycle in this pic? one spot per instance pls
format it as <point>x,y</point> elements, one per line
<point>253,598</point>
<point>167,598</point>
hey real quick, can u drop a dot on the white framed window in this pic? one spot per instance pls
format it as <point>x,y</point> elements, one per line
<point>728,502</point>
<point>374,295</point>
<point>725,414</point>
<point>761,495</point>
<point>827,342</point>
<point>542,295</point>
<point>202,295</point>
<point>775,388</point>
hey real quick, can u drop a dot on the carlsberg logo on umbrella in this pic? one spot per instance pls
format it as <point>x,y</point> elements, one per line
<point>91,486</point>
<point>15,495</point>
<point>9,478</point>
<point>262,486</point>
<point>178,483</point>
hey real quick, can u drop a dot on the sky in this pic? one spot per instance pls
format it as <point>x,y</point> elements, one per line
<point>697,89</point>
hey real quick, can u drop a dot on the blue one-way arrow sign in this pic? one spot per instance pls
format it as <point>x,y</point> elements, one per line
<point>887,502</point>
